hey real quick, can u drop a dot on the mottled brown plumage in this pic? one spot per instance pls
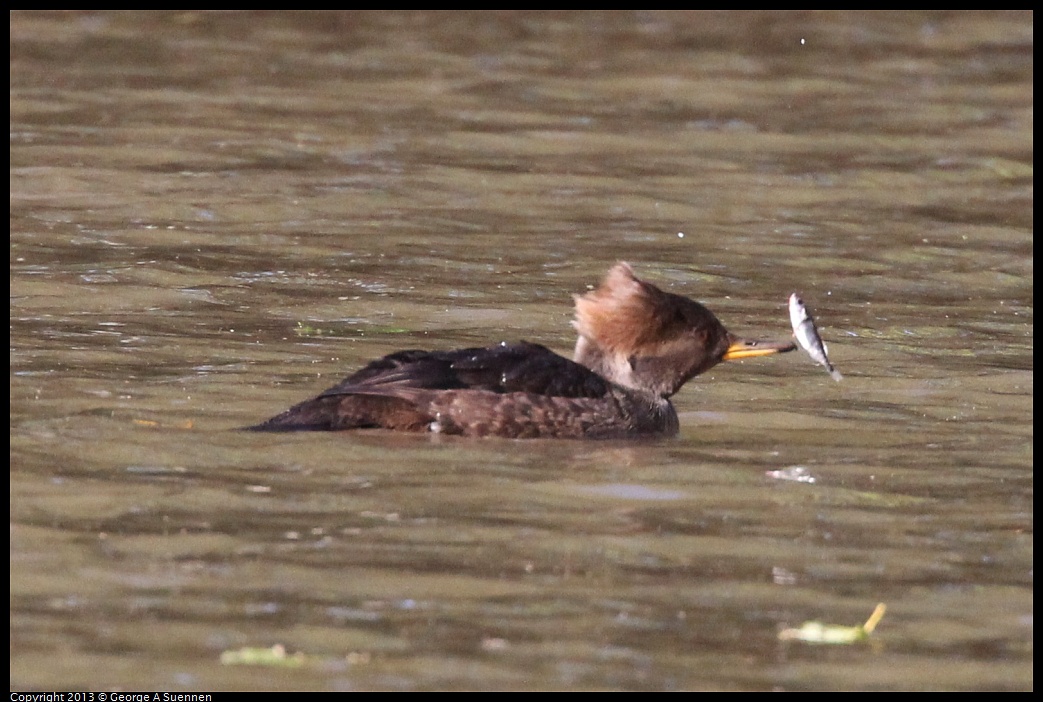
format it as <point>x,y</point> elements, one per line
<point>637,346</point>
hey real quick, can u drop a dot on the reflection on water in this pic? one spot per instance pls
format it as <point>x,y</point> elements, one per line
<point>214,215</point>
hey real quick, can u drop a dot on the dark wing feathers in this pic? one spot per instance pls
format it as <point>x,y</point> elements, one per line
<point>389,392</point>
<point>503,368</point>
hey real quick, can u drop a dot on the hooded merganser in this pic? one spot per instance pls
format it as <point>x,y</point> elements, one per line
<point>637,346</point>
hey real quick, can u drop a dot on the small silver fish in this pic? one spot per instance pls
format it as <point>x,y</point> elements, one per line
<point>807,335</point>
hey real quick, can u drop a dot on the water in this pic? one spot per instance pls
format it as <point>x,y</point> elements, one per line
<point>216,215</point>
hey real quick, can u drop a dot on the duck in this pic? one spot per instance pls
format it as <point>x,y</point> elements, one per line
<point>637,346</point>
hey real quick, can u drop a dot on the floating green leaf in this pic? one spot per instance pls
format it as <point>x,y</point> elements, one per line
<point>274,656</point>
<point>836,634</point>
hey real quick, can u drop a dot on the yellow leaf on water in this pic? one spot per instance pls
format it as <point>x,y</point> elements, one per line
<point>836,634</point>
